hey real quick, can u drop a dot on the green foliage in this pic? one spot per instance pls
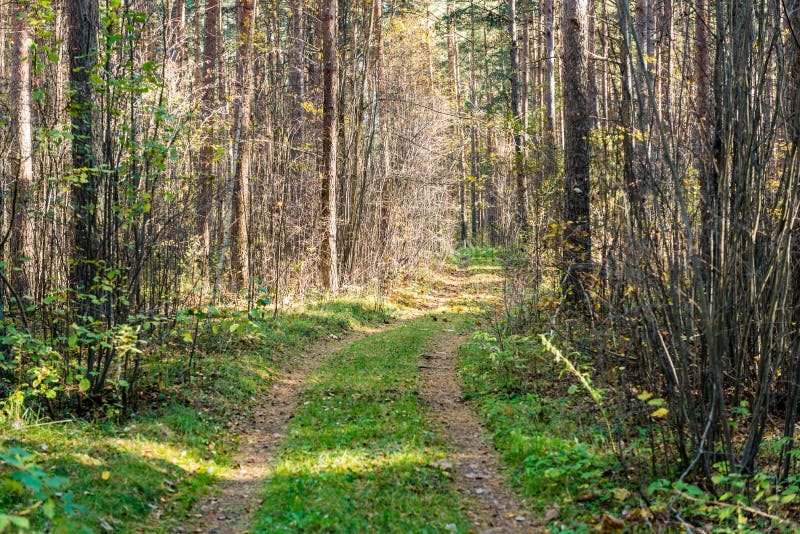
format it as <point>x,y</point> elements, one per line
<point>145,474</point>
<point>508,362</point>
<point>750,504</point>
<point>478,255</point>
<point>547,432</point>
<point>30,494</point>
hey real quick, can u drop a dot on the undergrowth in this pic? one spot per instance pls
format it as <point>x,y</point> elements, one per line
<point>143,470</point>
<point>588,449</point>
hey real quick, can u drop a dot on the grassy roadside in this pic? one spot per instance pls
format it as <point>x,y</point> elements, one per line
<point>589,457</point>
<point>145,474</point>
<point>547,433</point>
<point>544,427</point>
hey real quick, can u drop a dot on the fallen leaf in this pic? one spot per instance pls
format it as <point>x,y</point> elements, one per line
<point>610,524</point>
<point>552,513</point>
<point>105,475</point>
<point>621,493</point>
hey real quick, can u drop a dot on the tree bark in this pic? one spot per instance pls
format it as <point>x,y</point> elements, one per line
<point>206,165</point>
<point>704,132</point>
<point>83,25</point>
<point>577,126</point>
<point>22,230</point>
<point>383,132</point>
<point>549,91</point>
<point>176,51</point>
<point>521,213</point>
<point>328,268</point>
<point>297,85</point>
<point>240,259</point>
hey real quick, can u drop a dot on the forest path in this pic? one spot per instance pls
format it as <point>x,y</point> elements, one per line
<point>373,436</point>
<point>226,510</point>
<point>487,500</point>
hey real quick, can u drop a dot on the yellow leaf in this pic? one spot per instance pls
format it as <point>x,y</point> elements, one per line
<point>644,395</point>
<point>661,412</point>
<point>621,494</point>
<point>105,475</point>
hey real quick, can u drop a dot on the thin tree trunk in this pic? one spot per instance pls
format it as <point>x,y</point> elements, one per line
<point>329,274</point>
<point>473,134</point>
<point>521,213</point>
<point>383,133</point>
<point>206,164</point>
<point>176,50</point>
<point>455,76</point>
<point>549,91</point>
<point>240,259</point>
<point>297,34</point>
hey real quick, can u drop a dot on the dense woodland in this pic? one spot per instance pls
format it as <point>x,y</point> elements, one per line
<point>636,159</point>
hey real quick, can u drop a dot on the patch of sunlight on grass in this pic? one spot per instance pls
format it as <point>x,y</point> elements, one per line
<point>354,461</point>
<point>186,459</point>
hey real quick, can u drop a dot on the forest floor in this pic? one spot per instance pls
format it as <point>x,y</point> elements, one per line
<point>420,412</point>
<point>370,433</point>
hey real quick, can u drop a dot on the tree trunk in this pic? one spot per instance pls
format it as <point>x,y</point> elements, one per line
<point>473,134</point>
<point>455,76</point>
<point>703,134</point>
<point>82,51</point>
<point>83,24</point>
<point>383,116</point>
<point>521,213</point>
<point>176,49</point>
<point>240,259</point>
<point>22,230</point>
<point>297,85</point>
<point>328,268</point>
<point>206,165</point>
<point>549,91</point>
<point>577,126</point>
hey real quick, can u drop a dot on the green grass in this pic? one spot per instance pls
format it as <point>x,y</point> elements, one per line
<point>548,433</point>
<point>478,255</point>
<point>358,452</point>
<point>144,474</point>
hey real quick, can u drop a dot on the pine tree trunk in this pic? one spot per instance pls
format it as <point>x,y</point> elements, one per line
<point>328,268</point>
<point>549,91</point>
<point>22,230</point>
<point>240,258</point>
<point>83,25</point>
<point>521,213</point>
<point>209,91</point>
<point>577,127</point>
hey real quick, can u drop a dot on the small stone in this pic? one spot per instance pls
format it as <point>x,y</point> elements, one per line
<point>451,527</point>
